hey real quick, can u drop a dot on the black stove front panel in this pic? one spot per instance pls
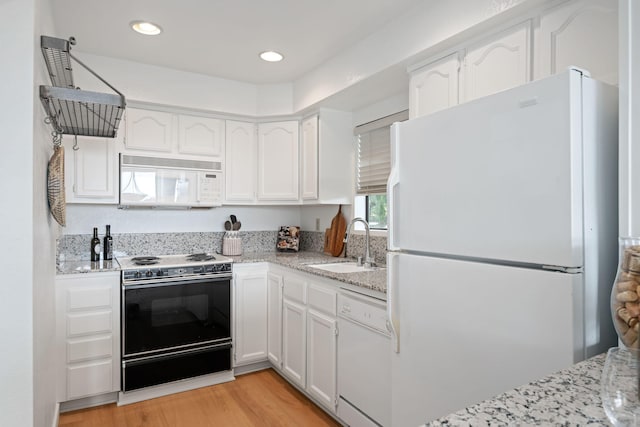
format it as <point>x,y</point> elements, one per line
<point>171,316</point>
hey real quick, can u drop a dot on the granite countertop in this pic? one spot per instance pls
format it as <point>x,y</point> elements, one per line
<point>375,280</point>
<point>570,397</point>
<point>86,266</point>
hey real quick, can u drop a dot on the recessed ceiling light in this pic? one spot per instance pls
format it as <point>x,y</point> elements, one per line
<point>271,56</point>
<point>146,28</point>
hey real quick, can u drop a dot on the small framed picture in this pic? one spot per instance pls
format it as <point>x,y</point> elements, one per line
<point>288,238</point>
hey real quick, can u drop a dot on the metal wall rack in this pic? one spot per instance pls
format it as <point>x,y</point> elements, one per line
<point>73,111</point>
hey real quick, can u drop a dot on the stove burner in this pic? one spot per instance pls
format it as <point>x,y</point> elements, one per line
<point>145,260</point>
<point>200,257</point>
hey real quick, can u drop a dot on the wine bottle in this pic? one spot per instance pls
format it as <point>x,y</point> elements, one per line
<point>108,245</point>
<point>95,246</point>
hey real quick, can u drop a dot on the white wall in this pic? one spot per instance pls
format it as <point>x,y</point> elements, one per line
<point>82,218</point>
<point>419,29</point>
<point>149,83</point>
<point>16,214</point>
<point>27,391</point>
<point>45,230</point>
<point>629,130</point>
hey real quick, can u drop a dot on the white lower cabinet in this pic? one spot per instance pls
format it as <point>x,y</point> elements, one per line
<point>294,344</point>
<point>250,303</point>
<point>309,337</point>
<point>87,334</point>
<point>301,327</point>
<point>321,357</point>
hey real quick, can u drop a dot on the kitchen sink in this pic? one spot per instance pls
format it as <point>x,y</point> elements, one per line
<point>343,267</point>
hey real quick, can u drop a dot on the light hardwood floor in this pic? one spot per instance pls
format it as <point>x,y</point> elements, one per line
<point>257,399</point>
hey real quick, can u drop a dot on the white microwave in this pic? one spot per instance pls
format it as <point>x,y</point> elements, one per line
<point>163,182</point>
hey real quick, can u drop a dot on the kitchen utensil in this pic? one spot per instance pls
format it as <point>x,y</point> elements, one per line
<point>336,234</point>
<point>236,226</point>
<point>227,225</point>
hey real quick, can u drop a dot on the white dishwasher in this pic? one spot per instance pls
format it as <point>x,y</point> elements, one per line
<point>364,361</point>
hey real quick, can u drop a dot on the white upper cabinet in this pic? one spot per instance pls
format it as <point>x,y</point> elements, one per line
<point>150,130</point>
<point>278,161</point>
<point>434,86</point>
<point>582,34</point>
<point>200,135</point>
<point>241,154</point>
<point>498,63</point>
<point>91,171</point>
<point>309,158</point>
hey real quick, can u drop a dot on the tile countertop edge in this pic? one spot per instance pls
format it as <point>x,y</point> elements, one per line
<point>570,397</point>
<point>372,280</point>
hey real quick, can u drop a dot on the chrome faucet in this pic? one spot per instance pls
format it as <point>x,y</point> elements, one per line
<point>369,261</point>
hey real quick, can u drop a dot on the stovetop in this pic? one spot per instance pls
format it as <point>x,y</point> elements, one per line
<point>172,267</point>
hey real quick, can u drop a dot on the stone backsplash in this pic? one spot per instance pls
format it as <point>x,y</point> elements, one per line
<point>75,247</point>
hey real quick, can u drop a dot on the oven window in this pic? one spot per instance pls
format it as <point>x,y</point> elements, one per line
<point>160,317</point>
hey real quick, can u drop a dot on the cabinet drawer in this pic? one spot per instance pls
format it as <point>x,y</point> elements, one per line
<point>323,299</point>
<point>89,348</point>
<point>89,323</point>
<point>85,298</point>
<point>89,379</point>
<point>295,289</point>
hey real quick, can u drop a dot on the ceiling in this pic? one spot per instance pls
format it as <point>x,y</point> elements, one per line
<point>223,38</point>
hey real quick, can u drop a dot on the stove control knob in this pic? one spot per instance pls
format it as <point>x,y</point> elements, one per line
<point>159,273</point>
<point>137,275</point>
<point>149,273</point>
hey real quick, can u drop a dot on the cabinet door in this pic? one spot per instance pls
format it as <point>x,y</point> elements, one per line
<point>321,358</point>
<point>91,171</point>
<point>200,135</point>
<point>582,34</point>
<point>87,334</point>
<point>434,87</point>
<point>294,342</point>
<point>309,158</point>
<point>250,293</point>
<point>278,161</point>
<point>241,151</point>
<point>149,130</point>
<point>274,320</point>
<point>498,63</point>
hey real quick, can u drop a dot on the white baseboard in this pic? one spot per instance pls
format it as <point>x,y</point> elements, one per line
<point>125,398</point>
<point>258,366</point>
<point>88,402</point>
<point>56,415</point>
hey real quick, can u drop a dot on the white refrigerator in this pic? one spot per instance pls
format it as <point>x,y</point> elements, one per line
<point>503,242</point>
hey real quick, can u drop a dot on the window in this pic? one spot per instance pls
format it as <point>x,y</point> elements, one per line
<point>373,167</point>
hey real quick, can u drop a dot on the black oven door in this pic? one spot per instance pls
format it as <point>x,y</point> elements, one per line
<point>167,316</point>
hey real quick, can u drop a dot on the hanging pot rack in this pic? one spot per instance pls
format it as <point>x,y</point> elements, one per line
<point>72,111</point>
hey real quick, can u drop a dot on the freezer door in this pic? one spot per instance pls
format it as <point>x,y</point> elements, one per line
<point>499,177</point>
<point>469,331</point>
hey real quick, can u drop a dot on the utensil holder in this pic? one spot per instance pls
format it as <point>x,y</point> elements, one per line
<point>231,243</point>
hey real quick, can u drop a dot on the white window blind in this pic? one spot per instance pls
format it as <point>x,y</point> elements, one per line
<point>374,153</point>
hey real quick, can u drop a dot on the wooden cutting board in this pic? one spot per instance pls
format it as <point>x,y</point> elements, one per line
<point>333,239</point>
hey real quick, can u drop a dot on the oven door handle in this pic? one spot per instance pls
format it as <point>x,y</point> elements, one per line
<point>156,283</point>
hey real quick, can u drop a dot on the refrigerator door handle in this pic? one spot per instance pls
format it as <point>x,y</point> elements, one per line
<point>392,317</point>
<point>392,188</point>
